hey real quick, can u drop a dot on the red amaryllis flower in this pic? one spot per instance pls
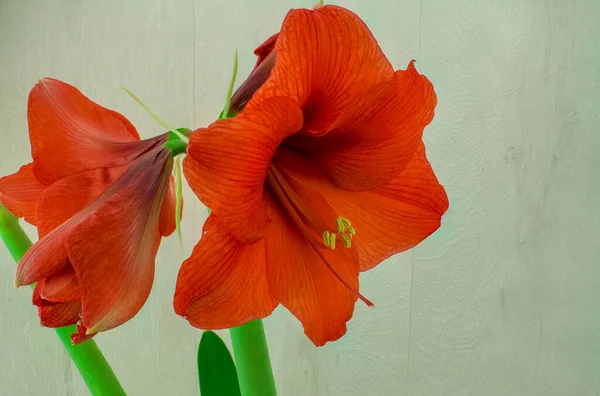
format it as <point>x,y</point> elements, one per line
<point>321,176</point>
<point>101,199</point>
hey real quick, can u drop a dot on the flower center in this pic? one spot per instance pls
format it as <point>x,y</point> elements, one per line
<point>300,215</point>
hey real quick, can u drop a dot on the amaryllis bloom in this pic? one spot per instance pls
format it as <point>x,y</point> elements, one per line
<point>321,176</point>
<point>101,199</point>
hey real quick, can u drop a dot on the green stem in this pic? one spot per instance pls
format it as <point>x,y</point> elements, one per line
<point>88,359</point>
<point>92,365</point>
<point>252,359</point>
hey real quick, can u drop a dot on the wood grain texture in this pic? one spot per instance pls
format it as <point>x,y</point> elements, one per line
<point>503,300</point>
<point>505,296</point>
<point>96,46</point>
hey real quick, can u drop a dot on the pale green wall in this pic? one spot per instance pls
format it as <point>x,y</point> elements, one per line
<point>503,300</point>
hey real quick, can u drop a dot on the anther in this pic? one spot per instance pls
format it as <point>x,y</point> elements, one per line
<point>332,238</point>
<point>347,241</point>
<point>326,238</point>
<point>340,224</point>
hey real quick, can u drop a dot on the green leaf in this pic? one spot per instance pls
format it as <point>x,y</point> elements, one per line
<point>216,370</point>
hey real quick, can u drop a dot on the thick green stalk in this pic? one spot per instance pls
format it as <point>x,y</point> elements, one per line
<point>88,359</point>
<point>252,359</point>
<point>92,365</point>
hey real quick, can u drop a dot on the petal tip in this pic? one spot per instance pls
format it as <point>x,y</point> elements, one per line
<point>83,334</point>
<point>22,279</point>
<point>19,281</point>
<point>44,81</point>
<point>411,66</point>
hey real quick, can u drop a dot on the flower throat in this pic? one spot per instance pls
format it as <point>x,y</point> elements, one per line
<point>293,206</point>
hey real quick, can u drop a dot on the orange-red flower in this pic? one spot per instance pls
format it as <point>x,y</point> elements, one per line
<point>321,176</point>
<point>101,198</point>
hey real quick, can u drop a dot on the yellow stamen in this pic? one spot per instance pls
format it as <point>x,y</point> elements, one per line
<point>345,231</point>
<point>326,238</point>
<point>347,241</point>
<point>332,239</point>
<point>340,224</point>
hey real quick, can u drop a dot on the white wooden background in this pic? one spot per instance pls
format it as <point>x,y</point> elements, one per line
<point>503,300</point>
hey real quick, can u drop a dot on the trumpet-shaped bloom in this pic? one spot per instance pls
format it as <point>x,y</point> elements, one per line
<point>101,199</point>
<point>322,175</point>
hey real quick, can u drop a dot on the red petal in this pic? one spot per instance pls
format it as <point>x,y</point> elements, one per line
<point>59,315</point>
<point>407,210</point>
<point>389,219</point>
<point>61,207</point>
<point>113,251</point>
<point>36,296</point>
<point>263,50</point>
<point>325,59</point>
<point>224,283</point>
<point>61,286</point>
<point>19,193</point>
<point>303,283</point>
<point>227,164</point>
<point>45,257</point>
<point>70,133</point>
<point>167,222</point>
<point>81,335</point>
<point>376,136</point>
<point>65,198</point>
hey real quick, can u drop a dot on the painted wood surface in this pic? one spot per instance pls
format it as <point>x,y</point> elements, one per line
<point>503,300</point>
